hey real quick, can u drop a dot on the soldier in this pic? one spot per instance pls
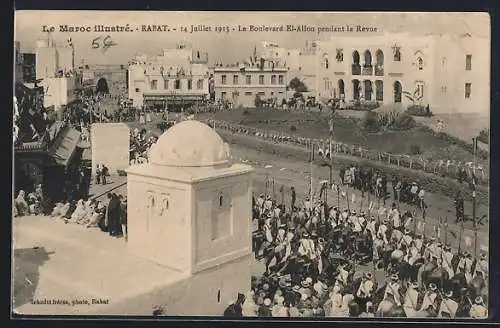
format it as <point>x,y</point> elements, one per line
<point>393,288</point>
<point>365,290</point>
<point>478,310</point>
<point>260,203</point>
<point>411,300</point>
<point>481,268</point>
<point>448,307</point>
<point>430,297</point>
<point>447,257</point>
<point>394,216</point>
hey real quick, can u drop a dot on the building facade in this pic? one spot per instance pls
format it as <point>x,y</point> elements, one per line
<point>240,84</point>
<point>300,63</point>
<point>447,72</point>
<point>177,77</point>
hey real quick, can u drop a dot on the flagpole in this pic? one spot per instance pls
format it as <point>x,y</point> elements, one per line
<point>311,175</point>
<point>474,147</point>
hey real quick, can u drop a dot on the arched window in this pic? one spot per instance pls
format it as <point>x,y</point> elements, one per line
<point>221,200</point>
<point>398,90</point>
<point>379,90</point>
<point>356,89</point>
<point>397,53</point>
<point>325,61</point>
<point>341,88</point>
<point>379,57</point>
<point>420,63</point>
<point>355,57</point>
<point>340,55</point>
<point>368,58</point>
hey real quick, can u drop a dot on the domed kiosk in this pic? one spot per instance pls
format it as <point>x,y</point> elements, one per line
<point>189,209</point>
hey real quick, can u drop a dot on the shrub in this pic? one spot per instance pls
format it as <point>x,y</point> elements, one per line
<point>404,122</point>
<point>293,128</point>
<point>246,112</point>
<point>415,149</point>
<point>370,122</point>
<point>419,110</point>
<point>484,136</point>
<point>363,106</point>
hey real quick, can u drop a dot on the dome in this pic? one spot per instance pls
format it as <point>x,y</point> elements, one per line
<point>190,144</point>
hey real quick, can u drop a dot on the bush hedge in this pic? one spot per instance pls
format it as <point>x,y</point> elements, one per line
<point>484,136</point>
<point>363,106</point>
<point>433,183</point>
<point>419,110</point>
<point>482,154</point>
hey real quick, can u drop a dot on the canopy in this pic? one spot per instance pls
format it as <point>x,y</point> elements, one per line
<point>64,148</point>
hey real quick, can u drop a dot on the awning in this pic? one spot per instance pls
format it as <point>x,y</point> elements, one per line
<point>65,147</point>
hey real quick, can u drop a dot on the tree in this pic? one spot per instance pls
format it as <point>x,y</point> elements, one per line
<point>297,85</point>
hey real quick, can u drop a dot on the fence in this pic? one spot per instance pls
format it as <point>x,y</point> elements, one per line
<point>442,167</point>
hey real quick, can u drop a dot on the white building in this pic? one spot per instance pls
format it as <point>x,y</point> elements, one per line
<point>450,73</point>
<point>240,84</point>
<point>53,59</point>
<point>300,63</point>
<point>177,77</point>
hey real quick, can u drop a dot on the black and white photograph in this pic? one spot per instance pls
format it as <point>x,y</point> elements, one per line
<point>272,164</point>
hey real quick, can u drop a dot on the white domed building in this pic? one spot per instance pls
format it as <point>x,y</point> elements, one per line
<point>189,209</point>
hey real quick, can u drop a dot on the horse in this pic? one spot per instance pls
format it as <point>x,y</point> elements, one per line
<point>430,272</point>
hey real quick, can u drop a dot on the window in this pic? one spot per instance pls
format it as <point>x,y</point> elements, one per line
<point>248,93</point>
<point>468,62</point>
<point>165,84</point>
<point>235,79</point>
<point>325,62</point>
<point>281,80</point>
<point>199,84</point>
<point>281,92</point>
<point>223,79</point>
<point>340,55</point>
<point>154,85</point>
<point>419,92</point>
<point>137,90</point>
<point>221,200</point>
<point>190,84</point>
<point>468,90</point>
<point>177,84</point>
<point>223,95</point>
<point>272,93</point>
<point>249,79</point>
<point>262,93</point>
<point>397,54</point>
<point>443,61</point>
<point>443,89</point>
<point>273,79</point>
<point>420,63</point>
<point>261,79</point>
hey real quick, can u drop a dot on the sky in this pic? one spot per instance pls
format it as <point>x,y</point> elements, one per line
<point>228,47</point>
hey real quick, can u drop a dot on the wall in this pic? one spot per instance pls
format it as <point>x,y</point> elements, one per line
<point>444,83</point>
<point>110,146</point>
<point>59,91</point>
<point>65,59</point>
<point>160,233</point>
<point>237,196</point>
<point>195,296</point>
<point>243,93</point>
<point>46,62</point>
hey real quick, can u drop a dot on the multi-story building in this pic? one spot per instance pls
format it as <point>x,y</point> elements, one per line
<point>447,72</point>
<point>240,84</point>
<point>300,63</point>
<point>55,68</point>
<point>176,78</point>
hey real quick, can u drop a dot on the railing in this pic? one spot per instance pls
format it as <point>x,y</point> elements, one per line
<point>368,70</point>
<point>356,69</point>
<point>379,71</point>
<point>441,167</point>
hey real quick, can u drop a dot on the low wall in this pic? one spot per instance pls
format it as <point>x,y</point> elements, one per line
<point>110,146</point>
<point>433,183</point>
<point>195,296</point>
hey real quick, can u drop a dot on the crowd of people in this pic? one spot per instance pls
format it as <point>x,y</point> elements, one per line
<point>110,216</point>
<point>326,261</point>
<point>140,146</point>
<point>29,204</point>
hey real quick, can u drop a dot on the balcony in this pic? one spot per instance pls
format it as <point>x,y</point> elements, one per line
<point>368,70</point>
<point>379,71</point>
<point>356,69</point>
